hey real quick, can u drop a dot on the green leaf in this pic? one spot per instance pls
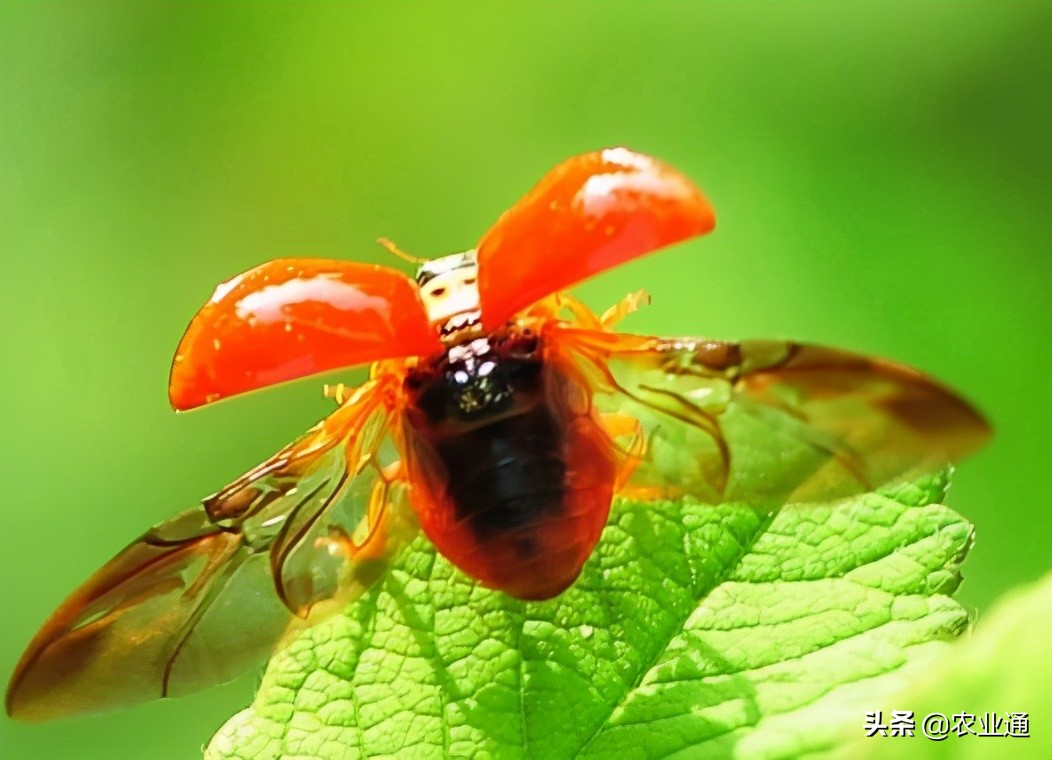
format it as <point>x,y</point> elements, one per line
<point>1004,667</point>
<point>693,631</point>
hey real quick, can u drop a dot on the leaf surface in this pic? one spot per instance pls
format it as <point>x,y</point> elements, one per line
<point>1003,667</point>
<point>693,631</point>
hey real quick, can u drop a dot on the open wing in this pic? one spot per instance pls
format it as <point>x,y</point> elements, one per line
<point>291,318</point>
<point>192,602</point>
<point>588,214</point>
<point>769,422</point>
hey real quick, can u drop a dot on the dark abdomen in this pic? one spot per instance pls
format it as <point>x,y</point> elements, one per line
<point>511,475</point>
<point>507,476</point>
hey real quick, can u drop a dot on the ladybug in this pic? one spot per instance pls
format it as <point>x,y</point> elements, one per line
<point>501,417</point>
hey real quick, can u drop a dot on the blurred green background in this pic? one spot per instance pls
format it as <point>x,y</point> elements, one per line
<point>881,172</point>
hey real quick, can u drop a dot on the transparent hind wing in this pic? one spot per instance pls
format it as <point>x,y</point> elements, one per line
<point>196,601</point>
<point>769,422</point>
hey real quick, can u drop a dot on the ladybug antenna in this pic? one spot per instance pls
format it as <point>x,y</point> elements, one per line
<point>392,248</point>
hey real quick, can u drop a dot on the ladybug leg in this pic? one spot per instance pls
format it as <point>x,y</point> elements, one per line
<point>632,451</point>
<point>626,433</point>
<point>369,540</point>
<point>393,471</point>
<point>585,317</point>
<point>623,308</point>
<point>618,425</point>
<point>374,544</point>
<point>339,392</point>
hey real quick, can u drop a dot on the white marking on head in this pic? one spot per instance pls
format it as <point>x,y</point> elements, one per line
<point>449,286</point>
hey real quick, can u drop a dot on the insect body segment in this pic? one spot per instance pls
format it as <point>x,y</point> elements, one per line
<point>514,475</point>
<point>449,287</point>
<point>501,417</point>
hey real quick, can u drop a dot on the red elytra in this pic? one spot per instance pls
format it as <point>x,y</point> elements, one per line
<point>292,318</point>
<point>587,215</point>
